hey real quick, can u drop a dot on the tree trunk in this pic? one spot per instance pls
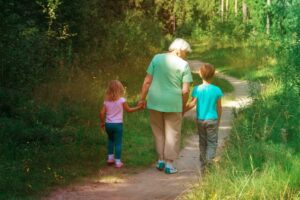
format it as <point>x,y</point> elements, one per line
<point>227,8</point>
<point>268,18</point>
<point>174,23</point>
<point>222,10</point>
<point>245,16</point>
<point>236,7</point>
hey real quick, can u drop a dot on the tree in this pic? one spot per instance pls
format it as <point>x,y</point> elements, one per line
<point>236,7</point>
<point>268,18</point>
<point>245,10</point>
<point>166,14</point>
<point>222,10</point>
<point>227,9</point>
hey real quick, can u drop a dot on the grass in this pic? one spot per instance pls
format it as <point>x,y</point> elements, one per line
<point>244,62</point>
<point>54,138</point>
<point>262,156</point>
<point>258,163</point>
<point>225,85</point>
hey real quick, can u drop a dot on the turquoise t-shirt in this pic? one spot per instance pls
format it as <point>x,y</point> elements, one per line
<point>207,96</point>
<point>169,72</point>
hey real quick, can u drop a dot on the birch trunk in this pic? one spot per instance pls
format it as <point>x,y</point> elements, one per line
<point>227,8</point>
<point>236,7</point>
<point>222,10</point>
<point>268,18</point>
<point>245,17</point>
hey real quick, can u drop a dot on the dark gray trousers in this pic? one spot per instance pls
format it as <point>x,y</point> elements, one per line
<point>208,140</point>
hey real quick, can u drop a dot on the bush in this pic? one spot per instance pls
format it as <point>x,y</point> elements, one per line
<point>132,38</point>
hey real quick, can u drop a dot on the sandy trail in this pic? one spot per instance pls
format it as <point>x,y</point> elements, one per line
<point>151,184</point>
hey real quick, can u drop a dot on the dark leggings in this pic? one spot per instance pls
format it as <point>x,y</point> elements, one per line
<point>114,132</point>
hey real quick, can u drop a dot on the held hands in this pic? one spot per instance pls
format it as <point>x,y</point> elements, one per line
<point>184,109</point>
<point>142,104</point>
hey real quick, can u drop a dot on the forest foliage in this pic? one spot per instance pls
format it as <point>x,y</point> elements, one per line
<point>56,56</point>
<point>41,35</point>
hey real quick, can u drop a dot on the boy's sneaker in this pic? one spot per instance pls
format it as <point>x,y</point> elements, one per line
<point>119,165</point>
<point>160,166</point>
<point>110,161</point>
<point>170,170</point>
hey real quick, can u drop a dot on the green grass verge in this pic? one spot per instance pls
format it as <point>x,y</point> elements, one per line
<point>34,159</point>
<point>260,160</point>
<point>244,62</point>
<point>225,86</point>
<point>262,157</point>
<point>55,139</point>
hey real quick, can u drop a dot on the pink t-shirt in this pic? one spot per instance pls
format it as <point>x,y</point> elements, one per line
<point>114,111</point>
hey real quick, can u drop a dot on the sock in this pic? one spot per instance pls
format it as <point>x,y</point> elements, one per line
<point>110,156</point>
<point>169,165</point>
<point>118,161</point>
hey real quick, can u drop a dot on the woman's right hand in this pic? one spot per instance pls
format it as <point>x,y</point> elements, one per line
<point>142,104</point>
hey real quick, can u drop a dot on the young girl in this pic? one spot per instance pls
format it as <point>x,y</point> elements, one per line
<point>111,116</point>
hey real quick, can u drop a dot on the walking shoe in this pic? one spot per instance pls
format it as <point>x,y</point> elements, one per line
<point>170,170</point>
<point>160,166</point>
<point>119,165</point>
<point>110,161</point>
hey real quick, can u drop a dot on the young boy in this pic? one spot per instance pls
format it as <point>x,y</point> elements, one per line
<point>207,98</point>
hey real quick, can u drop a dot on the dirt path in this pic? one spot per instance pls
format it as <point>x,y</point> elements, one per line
<point>151,184</point>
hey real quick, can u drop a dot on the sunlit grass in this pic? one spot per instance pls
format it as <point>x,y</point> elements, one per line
<point>243,179</point>
<point>61,142</point>
<point>261,159</point>
<point>225,85</point>
<point>244,62</point>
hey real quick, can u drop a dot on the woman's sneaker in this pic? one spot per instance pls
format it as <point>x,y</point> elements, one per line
<point>170,170</point>
<point>110,161</point>
<point>160,166</point>
<point>119,165</point>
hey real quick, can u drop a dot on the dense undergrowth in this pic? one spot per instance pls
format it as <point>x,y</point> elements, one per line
<point>55,137</point>
<point>262,156</point>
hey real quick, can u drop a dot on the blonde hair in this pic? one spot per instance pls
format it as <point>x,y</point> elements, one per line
<point>207,71</point>
<point>114,90</point>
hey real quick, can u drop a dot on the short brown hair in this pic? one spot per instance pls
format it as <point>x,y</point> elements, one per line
<point>207,71</point>
<point>114,91</point>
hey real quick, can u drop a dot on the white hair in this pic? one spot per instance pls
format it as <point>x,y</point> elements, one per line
<point>180,44</point>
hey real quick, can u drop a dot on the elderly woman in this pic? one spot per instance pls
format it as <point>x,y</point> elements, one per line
<point>167,87</point>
